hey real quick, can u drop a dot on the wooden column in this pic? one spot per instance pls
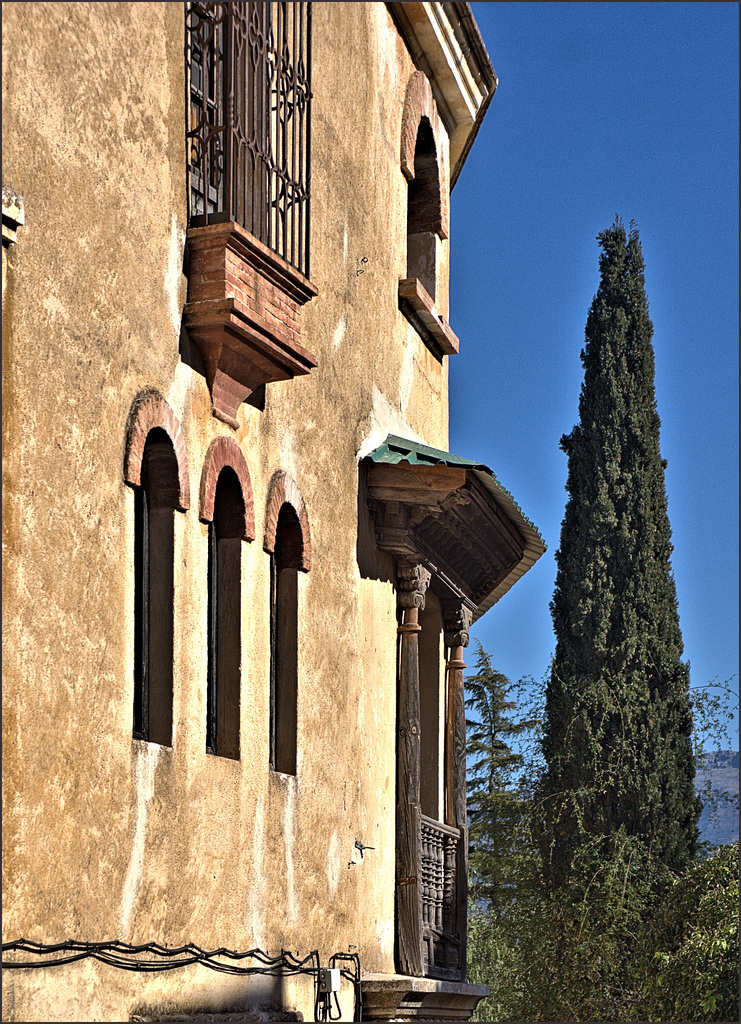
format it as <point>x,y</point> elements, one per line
<point>413,583</point>
<point>457,621</point>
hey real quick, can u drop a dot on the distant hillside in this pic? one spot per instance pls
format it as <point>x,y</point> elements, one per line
<point>720,768</point>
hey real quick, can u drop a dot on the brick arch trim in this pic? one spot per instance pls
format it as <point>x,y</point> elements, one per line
<point>419,102</point>
<point>150,410</point>
<point>224,451</point>
<point>284,490</point>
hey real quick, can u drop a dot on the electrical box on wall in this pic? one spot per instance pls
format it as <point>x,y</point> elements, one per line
<point>329,979</point>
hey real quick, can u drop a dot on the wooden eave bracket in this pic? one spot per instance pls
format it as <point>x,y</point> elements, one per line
<point>405,500</point>
<point>243,314</point>
<point>418,307</point>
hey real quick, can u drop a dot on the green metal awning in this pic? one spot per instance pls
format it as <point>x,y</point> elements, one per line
<point>455,516</point>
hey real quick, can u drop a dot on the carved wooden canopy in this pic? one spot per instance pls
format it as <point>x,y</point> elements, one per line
<point>453,516</point>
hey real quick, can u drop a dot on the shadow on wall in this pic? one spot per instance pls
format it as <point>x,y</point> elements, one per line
<point>264,1002</point>
<point>191,357</point>
<point>373,563</point>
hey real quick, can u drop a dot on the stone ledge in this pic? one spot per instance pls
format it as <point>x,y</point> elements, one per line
<point>418,307</point>
<point>397,997</point>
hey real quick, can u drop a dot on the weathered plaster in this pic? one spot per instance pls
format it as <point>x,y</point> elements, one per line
<point>104,836</point>
<point>146,756</point>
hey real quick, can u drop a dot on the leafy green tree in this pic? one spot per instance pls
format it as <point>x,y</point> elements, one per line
<point>692,973</point>
<point>491,962</point>
<point>618,719</point>
<point>493,800</point>
<point>614,946</point>
<point>597,955</point>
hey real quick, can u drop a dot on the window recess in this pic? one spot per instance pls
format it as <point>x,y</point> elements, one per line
<point>418,292</point>
<point>284,562</point>
<point>225,533</point>
<point>287,540</point>
<point>154,503</point>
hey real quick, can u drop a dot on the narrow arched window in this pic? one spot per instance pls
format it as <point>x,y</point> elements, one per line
<point>155,500</point>
<point>423,211</point>
<point>225,533</point>
<point>285,561</point>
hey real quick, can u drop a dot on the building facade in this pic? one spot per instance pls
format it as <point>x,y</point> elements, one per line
<point>240,564</point>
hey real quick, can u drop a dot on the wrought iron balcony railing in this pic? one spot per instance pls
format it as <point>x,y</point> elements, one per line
<point>249,139</point>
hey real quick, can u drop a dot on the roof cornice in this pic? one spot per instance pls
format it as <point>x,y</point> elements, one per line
<point>445,43</point>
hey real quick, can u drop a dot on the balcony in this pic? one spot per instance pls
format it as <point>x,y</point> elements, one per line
<point>441,939</point>
<point>249,143</point>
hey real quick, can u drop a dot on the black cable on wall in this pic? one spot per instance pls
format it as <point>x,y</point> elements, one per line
<point>153,957</point>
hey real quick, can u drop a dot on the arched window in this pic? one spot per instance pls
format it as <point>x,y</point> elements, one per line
<point>288,542</point>
<point>423,211</point>
<point>156,466</point>
<point>226,506</point>
<point>154,502</point>
<point>225,533</point>
<point>424,165</point>
<point>284,642</point>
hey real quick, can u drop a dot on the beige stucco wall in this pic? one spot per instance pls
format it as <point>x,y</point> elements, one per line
<point>105,837</point>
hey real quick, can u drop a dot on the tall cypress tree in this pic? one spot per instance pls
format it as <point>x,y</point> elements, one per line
<point>618,718</point>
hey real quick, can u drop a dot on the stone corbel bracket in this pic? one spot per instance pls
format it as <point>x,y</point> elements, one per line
<point>418,307</point>
<point>243,314</point>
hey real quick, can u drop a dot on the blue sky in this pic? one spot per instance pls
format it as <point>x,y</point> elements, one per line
<point>603,108</point>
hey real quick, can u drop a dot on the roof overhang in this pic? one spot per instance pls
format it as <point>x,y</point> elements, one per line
<point>454,517</point>
<point>445,43</point>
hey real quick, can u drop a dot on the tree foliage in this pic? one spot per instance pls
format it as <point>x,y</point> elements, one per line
<point>602,957</point>
<point>618,716</point>
<point>493,799</point>
<point>693,974</point>
<point>607,913</point>
<point>616,946</point>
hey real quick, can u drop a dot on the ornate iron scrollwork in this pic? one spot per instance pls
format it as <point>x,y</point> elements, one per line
<point>249,139</point>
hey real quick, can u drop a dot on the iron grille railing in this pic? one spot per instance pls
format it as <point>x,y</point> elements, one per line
<point>440,941</point>
<point>249,140</point>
